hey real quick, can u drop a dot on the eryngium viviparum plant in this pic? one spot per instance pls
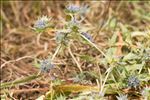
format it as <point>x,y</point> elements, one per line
<point>72,31</point>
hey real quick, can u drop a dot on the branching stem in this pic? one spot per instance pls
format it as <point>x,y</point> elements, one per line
<point>91,43</point>
<point>78,65</point>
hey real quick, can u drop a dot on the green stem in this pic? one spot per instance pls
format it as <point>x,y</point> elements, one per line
<point>106,77</point>
<point>16,82</point>
<point>78,65</point>
<point>54,55</point>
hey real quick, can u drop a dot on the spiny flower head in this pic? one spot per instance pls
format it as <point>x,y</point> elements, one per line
<point>73,24</point>
<point>73,8</point>
<point>122,97</point>
<point>77,9</point>
<point>42,23</point>
<point>133,81</point>
<point>83,9</point>
<point>46,65</point>
<point>61,37</point>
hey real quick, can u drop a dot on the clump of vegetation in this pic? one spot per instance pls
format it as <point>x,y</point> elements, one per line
<point>77,67</point>
<point>127,68</point>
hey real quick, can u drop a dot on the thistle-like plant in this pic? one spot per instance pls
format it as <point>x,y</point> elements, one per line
<point>73,8</point>
<point>73,31</point>
<point>46,65</point>
<point>131,63</point>
<point>133,81</point>
<point>42,23</point>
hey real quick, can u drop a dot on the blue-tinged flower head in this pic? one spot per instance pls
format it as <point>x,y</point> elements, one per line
<point>83,9</point>
<point>77,9</point>
<point>73,23</point>
<point>73,8</point>
<point>87,35</point>
<point>133,81</point>
<point>42,23</point>
<point>46,65</point>
<point>122,97</point>
<point>59,37</point>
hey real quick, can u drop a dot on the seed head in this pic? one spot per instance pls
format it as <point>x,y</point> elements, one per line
<point>42,23</point>
<point>133,81</point>
<point>46,65</point>
<point>122,97</point>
